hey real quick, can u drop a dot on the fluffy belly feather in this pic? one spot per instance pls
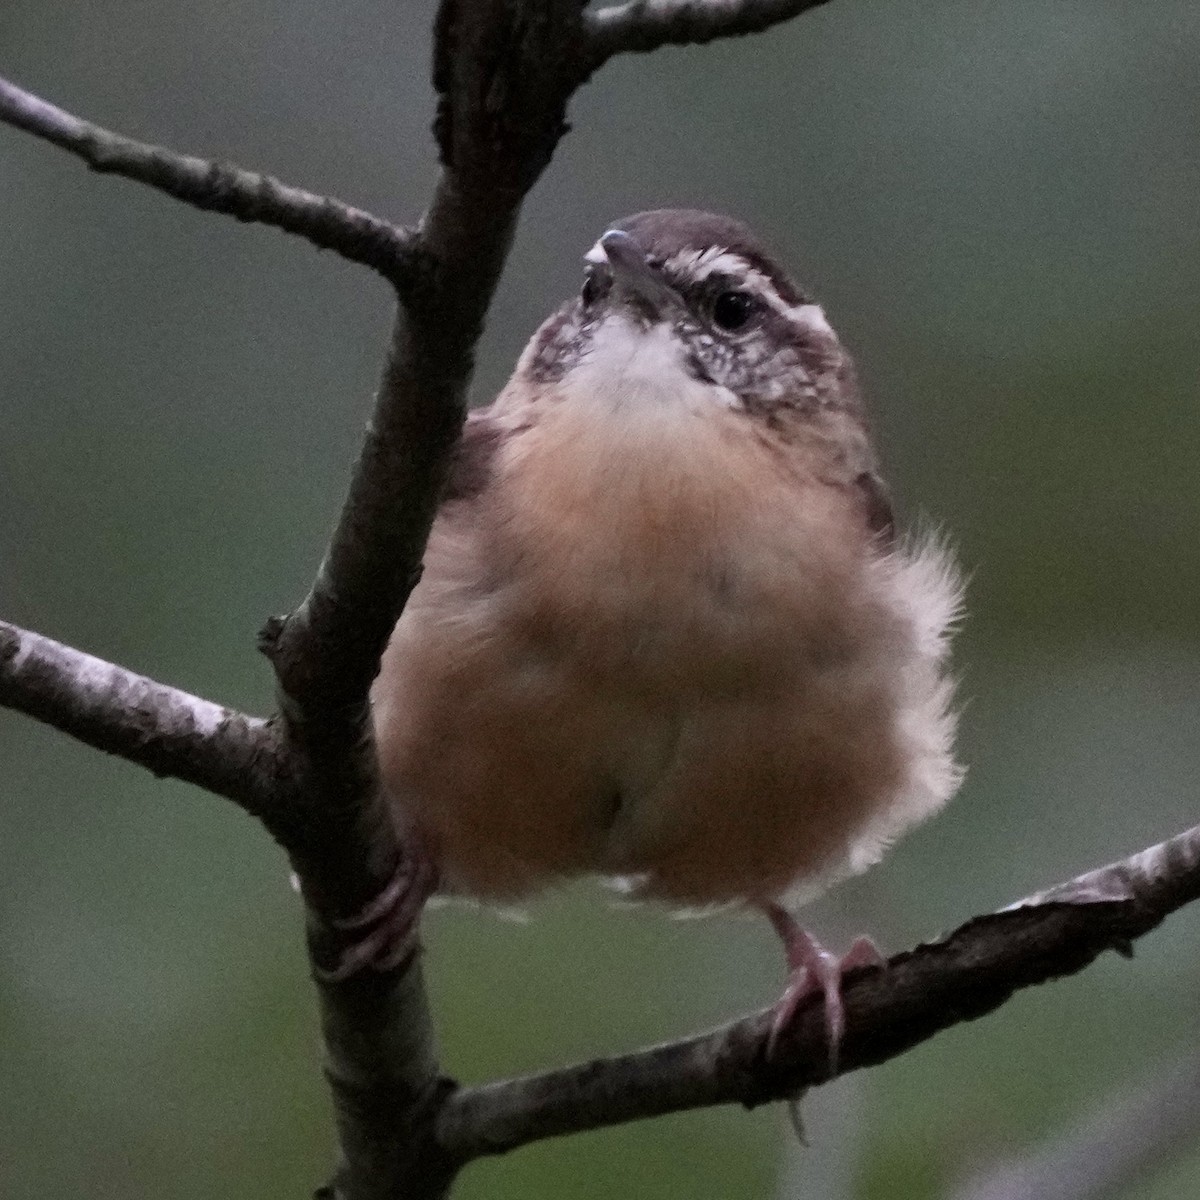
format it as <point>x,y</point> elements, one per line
<point>711,691</point>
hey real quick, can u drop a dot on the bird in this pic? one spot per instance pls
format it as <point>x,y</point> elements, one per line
<point>667,633</point>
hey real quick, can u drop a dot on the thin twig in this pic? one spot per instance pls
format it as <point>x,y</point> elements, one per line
<point>1122,1144</point>
<point>156,726</point>
<point>219,187</point>
<point>644,25</point>
<point>969,973</point>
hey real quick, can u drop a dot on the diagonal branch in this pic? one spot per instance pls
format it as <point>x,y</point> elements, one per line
<point>219,187</point>
<point>969,973</point>
<point>640,26</point>
<point>158,727</point>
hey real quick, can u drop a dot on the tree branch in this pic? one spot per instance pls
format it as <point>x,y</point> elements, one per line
<point>504,74</point>
<point>327,652</point>
<point>219,187</point>
<point>1111,1150</point>
<point>969,973</point>
<point>158,727</point>
<point>504,71</point>
<point>644,25</point>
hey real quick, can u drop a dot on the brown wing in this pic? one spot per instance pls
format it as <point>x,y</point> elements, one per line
<point>877,507</point>
<point>471,463</point>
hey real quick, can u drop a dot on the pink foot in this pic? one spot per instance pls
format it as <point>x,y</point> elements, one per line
<point>811,970</point>
<point>383,932</point>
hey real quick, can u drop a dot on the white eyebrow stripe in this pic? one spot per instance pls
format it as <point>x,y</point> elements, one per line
<point>698,265</point>
<point>811,316</point>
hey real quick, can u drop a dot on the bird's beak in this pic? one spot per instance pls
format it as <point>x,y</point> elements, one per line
<point>635,277</point>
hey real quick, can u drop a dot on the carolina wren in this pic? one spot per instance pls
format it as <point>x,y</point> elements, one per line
<point>666,634</point>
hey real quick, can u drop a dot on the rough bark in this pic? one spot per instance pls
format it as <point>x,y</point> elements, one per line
<point>504,72</point>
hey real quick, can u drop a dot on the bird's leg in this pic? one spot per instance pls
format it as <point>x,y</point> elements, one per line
<point>382,933</point>
<point>813,969</point>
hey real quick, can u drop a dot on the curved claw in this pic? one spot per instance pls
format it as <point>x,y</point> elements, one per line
<point>377,909</point>
<point>813,969</point>
<point>388,923</point>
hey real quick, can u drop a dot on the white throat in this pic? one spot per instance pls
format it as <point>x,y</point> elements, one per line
<point>640,370</point>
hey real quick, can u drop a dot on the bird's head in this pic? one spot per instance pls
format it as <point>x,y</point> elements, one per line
<point>683,304</point>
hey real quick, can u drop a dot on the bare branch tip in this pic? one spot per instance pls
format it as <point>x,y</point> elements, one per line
<point>642,26</point>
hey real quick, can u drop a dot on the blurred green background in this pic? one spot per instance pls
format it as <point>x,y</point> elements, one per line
<point>998,205</point>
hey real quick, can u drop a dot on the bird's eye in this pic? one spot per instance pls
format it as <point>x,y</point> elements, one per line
<point>591,289</point>
<point>732,310</point>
